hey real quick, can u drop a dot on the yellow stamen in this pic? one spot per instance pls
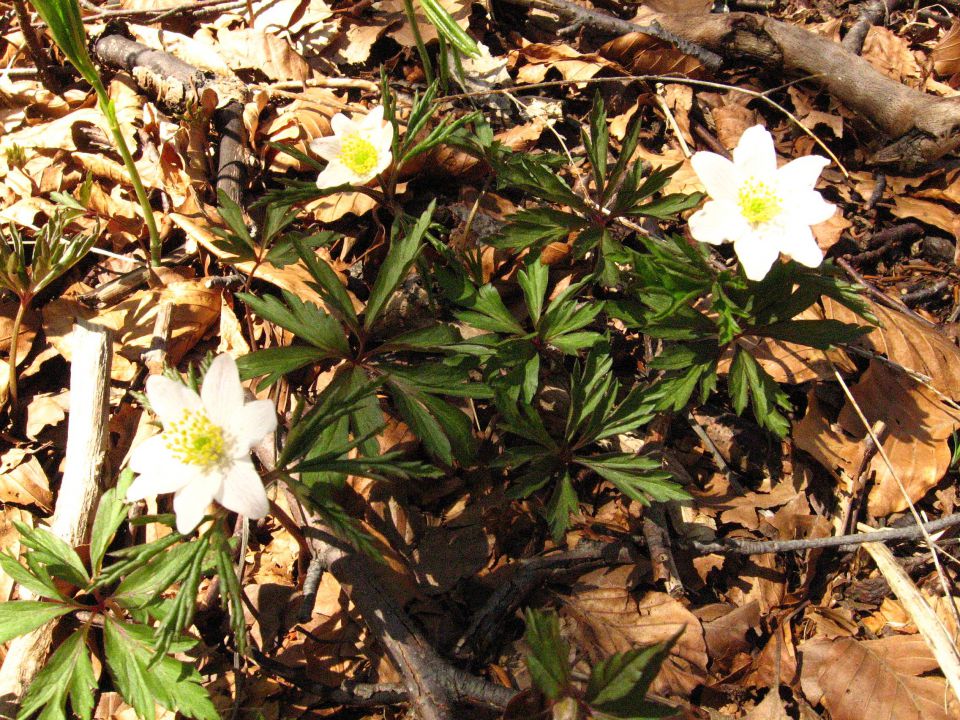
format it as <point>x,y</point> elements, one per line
<point>195,439</point>
<point>358,154</point>
<point>758,201</point>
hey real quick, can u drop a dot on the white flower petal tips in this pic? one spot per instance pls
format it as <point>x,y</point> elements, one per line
<point>762,210</point>
<point>203,453</point>
<point>358,151</point>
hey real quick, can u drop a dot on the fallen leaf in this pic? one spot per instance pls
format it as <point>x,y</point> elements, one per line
<point>770,708</point>
<point>647,55</point>
<point>23,481</point>
<point>255,49</point>
<point>873,679</point>
<point>946,53</point>
<point>46,409</point>
<point>612,620</point>
<point>890,54</point>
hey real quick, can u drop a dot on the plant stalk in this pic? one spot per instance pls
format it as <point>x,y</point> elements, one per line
<point>418,38</point>
<point>14,340</point>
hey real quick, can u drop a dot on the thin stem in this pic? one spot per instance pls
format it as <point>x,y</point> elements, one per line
<point>106,106</point>
<point>14,339</point>
<point>418,38</point>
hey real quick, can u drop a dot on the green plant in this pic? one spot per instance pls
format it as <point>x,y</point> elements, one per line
<point>616,688</point>
<point>28,267</point>
<point>66,26</point>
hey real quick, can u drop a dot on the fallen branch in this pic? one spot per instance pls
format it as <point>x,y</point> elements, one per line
<point>78,495</point>
<point>843,542</point>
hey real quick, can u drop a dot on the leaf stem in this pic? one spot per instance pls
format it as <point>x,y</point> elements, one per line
<point>418,38</point>
<point>14,338</point>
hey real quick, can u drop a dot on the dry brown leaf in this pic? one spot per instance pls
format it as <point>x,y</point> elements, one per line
<point>46,409</point>
<point>890,54</point>
<point>726,633</point>
<point>946,53</point>
<point>770,708</point>
<point>333,207</point>
<point>931,213</point>
<point>255,49</point>
<point>647,55</point>
<point>195,308</point>
<point>911,343</point>
<point>873,679</point>
<point>680,7</point>
<point>612,620</point>
<point>23,481</point>
<point>809,116</point>
<point>294,277</point>
<point>353,47</point>
<point>202,54</point>
<point>540,58</point>
<point>829,231</point>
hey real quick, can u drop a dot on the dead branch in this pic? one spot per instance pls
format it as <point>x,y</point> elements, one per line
<point>844,542</point>
<point>922,127</point>
<point>870,14</point>
<point>432,685</point>
<point>79,492</point>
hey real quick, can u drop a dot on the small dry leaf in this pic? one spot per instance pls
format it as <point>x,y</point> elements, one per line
<point>873,679</point>
<point>647,55</point>
<point>263,51</point>
<point>23,481</point>
<point>946,53</point>
<point>770,708</point>
<point>890,54</point>
<point>46,409</point>
<point>571,64</point>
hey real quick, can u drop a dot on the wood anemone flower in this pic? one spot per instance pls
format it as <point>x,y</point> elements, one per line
<point>203,453</point>
<point>358,150</point>
<point>761,209</point>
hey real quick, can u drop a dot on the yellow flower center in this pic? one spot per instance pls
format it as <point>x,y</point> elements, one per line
<point>358,154</point>
<point>195,439</point>
<point>759,202</point>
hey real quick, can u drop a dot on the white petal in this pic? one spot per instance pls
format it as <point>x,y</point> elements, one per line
<point>756,252</point>
<point>341,124</point>
<point>718,222</point>
<point>222,393</point>
<point>252,423</point>
<point>243,491</point>
<point>755,155</point>
<point>718,175</point>
<point>191,502</point>
<point>800,174</point>
<point>169,398</point>
<point>374,118</point>
<point>159,481</point>
<point>798,242</point>
<point>329,148</point>
<point>383,163</point>
<point>335,174</point>
<point>809,208</point>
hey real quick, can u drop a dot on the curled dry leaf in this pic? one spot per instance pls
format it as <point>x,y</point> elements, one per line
<point>263,51</point>
<point>646,55</point>
<point>890,54</point>
<point>946,54</point>
<point>612,620</point>
<point>911,343</point>
<point>195,308</point>
<point>23,481</point>
<point>537,59</point>
<point>874,679</point>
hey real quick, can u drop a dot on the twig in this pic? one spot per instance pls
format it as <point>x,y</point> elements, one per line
<point>870,14</point>
<point>924,293</point>
<point>79,491</point>
<point>41,59</point>
<point>844,542</point>
<point>575,14</point>
<point>658,545</point>
<point>882,241</point>
<point>201,7</point>
<point>882,297</point>
<point>852,507</point>
<point>231,168</point>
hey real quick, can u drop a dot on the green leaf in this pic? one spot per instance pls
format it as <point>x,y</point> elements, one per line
<point>147,582</point>
<point>448,27</point>
<point>533,282</point>
<point>820,334</point>
<point>401,256</point>
<point>597,143</point>
<point>18,617</point>
<point>41,586</point>
<point>305,320</point>
<point>327,284</point>
<point>639,478</point>
<point>59,558</point>
<point>562,504</point>
<point>487,312</point>
<point>111,511</point>
<point>618,685</point>
<point>169,682</point>
<point>274,363</point>
<point>68,672</point>
<point>537,226</point>
<point>549,657</point>
<point>748,378</point>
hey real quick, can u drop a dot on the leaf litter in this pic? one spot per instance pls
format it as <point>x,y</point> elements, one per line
<point>763,637</point>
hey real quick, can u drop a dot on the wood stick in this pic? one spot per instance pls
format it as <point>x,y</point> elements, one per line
<point>79,492</point>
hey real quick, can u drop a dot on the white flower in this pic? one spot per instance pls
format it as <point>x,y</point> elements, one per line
<point>203,453</point>
<point>763,211</point>
<point>358,151</point>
